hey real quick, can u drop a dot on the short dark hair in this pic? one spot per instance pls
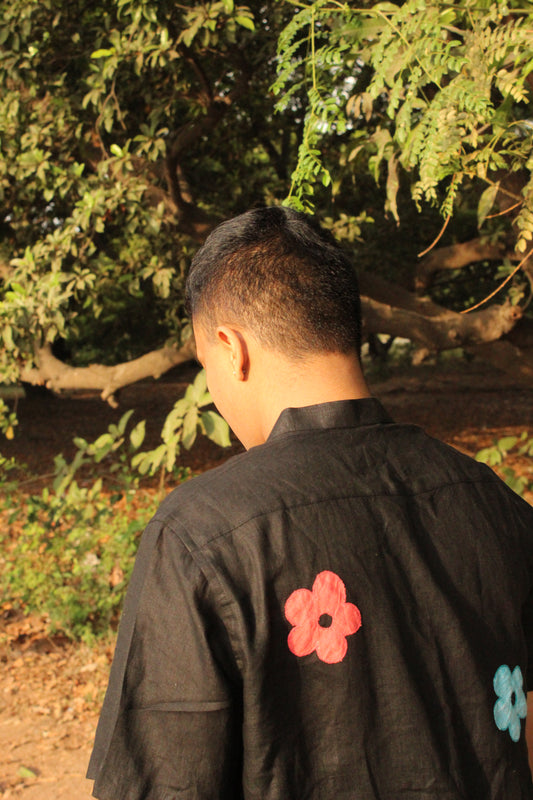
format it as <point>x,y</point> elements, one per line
<point>278,273</point>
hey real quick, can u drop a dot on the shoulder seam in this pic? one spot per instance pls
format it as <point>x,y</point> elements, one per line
<point>489,478</point>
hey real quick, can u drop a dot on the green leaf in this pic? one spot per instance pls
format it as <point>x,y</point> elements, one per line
<point>486,201</point>
<point>181,407</point>
<point>205,400</point>
<point>506,443</point>
<point>190,424</point>
<point>516,482</point>
<point>447,16</point>
<point>188,35</point>
<point>103,441</point>
<point>26,772</point>
<point>149,461</point>
<point>171,455</point>
<point>96,488</point>
<point>116,150</point>
<point>124,421</point>
<point>103,53</point>
<point>7,335</point>
<point>245,22</point>
<point>490,456</point>
<point>138,433</point>
<point>198,387</point>
<point>216,428</point>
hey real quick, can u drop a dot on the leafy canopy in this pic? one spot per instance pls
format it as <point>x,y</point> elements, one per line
<point>127,129</point>
<point>439,91</point>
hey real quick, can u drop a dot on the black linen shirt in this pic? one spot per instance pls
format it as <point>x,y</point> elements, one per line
<point>342,613</point>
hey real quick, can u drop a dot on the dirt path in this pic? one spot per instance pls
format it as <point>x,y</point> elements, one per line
<point>50,689</point>
<point>37,765</point>
<point>50,694</point>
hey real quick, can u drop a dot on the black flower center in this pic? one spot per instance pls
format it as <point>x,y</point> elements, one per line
<point>325,620</point>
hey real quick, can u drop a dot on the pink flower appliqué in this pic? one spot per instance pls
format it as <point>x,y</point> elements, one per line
<point>322,619</point>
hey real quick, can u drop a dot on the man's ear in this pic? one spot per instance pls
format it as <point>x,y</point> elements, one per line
<point>235,347</point>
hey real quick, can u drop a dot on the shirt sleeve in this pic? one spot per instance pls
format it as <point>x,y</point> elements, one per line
<point>171,723</point>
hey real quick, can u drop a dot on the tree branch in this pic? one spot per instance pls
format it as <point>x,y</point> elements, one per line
<point>439,332</point>
<point>187,135</point>
<point>454,257</point>
<point>207,91</point>
<point>392,294</point>
<point>58,376</point>
<point>191,219</point>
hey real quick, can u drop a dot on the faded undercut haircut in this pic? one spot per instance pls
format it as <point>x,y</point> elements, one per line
<point>278,274</point>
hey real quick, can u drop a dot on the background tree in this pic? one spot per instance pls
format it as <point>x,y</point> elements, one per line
<point>129,128</point>
<point>434,101</point>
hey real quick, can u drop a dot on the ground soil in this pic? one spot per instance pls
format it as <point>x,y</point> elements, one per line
<point>51,689</point>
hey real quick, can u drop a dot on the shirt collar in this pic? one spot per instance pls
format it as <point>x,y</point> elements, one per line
<point>338,414</point>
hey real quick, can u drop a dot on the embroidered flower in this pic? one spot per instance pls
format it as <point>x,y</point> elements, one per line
<point>322,619</point>
<point>512,704</point>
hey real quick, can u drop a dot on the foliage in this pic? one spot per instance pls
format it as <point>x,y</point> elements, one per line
<point>436,92</point>
<point>126,464</point>
<point>75,550</point>
<point>8,420</point>
<point>126,129</point>
<point>73,557</point>
<point>497,454</point>
<point>7,465</point>
<point>180,429</point>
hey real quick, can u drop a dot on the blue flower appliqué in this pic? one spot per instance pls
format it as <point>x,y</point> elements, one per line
<point>512,705</point>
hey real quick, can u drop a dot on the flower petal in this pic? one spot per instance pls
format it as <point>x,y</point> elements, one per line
<point>517,682</point>
<point>300,607</point>
<point>502,681</point>
<point>514,728</point>
<point>503,714</point>
<point>303,639</point>
<point>331,647</point>
<point>329,592</point>
<point>348,619</point>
